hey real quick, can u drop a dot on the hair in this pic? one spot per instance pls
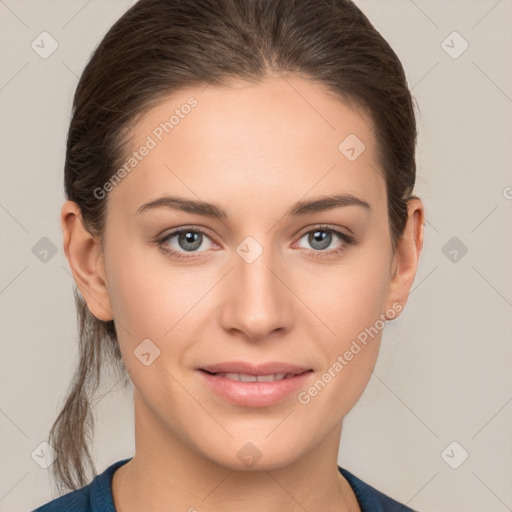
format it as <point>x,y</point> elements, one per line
<point>159,47</point>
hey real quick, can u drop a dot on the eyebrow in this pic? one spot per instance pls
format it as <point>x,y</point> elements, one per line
<point>311,206</point>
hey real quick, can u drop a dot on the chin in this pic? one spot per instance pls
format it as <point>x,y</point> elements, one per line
<point>251,457</point>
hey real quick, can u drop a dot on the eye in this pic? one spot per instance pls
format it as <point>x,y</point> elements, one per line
<point>322,237</point>
<point>185,239</point>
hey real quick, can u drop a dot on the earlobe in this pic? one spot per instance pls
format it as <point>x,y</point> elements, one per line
<point>407,254</point>
<point>85,258</point>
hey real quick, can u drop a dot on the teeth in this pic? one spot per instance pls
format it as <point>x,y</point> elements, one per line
<point>242,377</point>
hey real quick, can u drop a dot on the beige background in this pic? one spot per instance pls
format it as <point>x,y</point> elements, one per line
<point>444,372</point>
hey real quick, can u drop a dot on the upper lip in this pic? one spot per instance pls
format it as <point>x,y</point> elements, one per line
<point>254,369</point>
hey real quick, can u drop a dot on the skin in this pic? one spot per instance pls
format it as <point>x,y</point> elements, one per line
<point>254,150</point>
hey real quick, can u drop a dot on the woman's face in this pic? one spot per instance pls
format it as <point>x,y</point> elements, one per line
<point>271,281</point>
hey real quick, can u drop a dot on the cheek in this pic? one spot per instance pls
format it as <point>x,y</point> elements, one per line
<point>348,297</point>
<point>145,301</point>
<point>133,299</point>
<point>349,307</point>
<point>148,303</point>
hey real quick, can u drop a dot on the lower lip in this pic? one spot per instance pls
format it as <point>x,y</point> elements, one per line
<point>254,394</point>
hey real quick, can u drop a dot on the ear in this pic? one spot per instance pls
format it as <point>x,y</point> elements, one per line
<point>85,257</point>
<point>406,257</point>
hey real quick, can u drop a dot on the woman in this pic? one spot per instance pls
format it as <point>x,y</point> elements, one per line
<point>240,225</point>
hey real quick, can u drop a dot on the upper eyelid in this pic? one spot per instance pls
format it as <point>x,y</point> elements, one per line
<point>321,227</point>
<point>194,228</point>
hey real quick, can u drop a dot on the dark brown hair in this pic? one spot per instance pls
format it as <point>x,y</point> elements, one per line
<point>161,46</point>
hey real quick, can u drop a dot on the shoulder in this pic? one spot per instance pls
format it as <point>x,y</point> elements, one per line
<point>94,497</point>
<point>371,499</point>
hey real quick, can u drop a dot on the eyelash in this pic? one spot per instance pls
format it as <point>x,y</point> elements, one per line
<point>347,239</point>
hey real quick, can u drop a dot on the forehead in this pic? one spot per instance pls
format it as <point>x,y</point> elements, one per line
<point>283,137</point>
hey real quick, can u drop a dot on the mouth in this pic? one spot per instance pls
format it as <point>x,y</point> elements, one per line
<point>247,377</point>
<point>253,369</point>
<point>249,385</point>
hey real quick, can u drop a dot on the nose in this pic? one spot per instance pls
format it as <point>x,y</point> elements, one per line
<point>257,302</point>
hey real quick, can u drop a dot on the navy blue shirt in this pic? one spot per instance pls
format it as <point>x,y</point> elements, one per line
<point>97,496</point>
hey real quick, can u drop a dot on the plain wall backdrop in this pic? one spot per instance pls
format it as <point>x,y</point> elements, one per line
<point>433,429</point>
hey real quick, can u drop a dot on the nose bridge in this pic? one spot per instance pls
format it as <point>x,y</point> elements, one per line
<point>255,268</point>
<point>258,298</point>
